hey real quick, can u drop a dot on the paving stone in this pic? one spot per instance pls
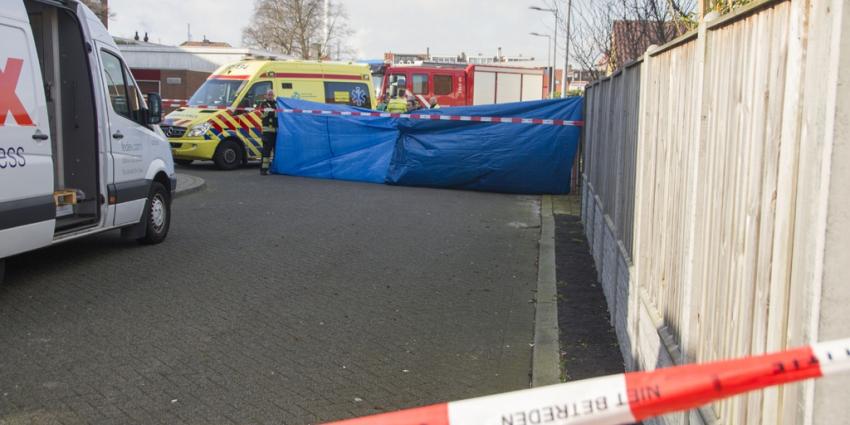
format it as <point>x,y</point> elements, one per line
<point>264,290</point>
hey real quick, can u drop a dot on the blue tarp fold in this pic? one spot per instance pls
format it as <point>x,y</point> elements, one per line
<point>496,157</point>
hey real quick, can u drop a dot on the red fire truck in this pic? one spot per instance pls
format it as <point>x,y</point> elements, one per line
<point>466,85</point>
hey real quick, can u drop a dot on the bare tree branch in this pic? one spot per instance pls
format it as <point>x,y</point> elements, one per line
<point>295,27</point>
<point>595,48</point>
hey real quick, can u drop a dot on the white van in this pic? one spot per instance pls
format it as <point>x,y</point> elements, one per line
<point>80,151</point>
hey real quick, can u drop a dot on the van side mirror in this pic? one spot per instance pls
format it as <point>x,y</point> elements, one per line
<point>154,108</point>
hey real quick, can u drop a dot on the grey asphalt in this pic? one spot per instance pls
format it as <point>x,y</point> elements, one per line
<point>275,300</point>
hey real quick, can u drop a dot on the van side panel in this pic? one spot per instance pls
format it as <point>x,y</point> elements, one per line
<point>27,211</point>
<point>508,87</point>
<point>485,88</point>
<point>532,87</point>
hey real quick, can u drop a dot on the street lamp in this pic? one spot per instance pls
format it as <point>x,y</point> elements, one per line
<point>548,54</point>
<point>555,50</point>
<point>567,56</point>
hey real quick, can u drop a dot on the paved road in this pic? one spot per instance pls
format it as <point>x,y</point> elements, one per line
<point>275,300</point>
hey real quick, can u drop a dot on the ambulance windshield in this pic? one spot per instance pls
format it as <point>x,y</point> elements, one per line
<point>217,92</point>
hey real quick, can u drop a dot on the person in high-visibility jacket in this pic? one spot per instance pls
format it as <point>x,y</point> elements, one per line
<point>433,103</point>
<point>398,105</point>
<point>269,114</point>
<point>385,100</point>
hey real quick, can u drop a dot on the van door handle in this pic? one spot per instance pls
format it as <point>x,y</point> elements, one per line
<point>39,136</point>
<point>117,135</point>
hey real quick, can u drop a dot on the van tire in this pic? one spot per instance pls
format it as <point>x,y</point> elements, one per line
<point>228,155</point>
<point>2,269</point>
<point>157,215</point>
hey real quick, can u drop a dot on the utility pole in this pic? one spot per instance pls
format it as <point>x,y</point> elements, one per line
<point>549,63</point>
<point>555,56</point>
<point>565,92</point>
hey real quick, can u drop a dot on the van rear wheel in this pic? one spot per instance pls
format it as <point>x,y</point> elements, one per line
<point>228,156</point>
<point>157,215</point>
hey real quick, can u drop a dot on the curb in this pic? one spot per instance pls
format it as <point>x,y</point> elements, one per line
<point>545,362</point>
<point>188,184</point>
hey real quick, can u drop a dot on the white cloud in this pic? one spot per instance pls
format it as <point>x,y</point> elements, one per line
<point>446,26</point>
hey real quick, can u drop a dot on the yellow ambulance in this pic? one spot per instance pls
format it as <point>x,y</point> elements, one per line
<point>218,124</point>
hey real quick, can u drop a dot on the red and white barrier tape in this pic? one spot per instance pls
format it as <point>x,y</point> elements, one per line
<point>630,397</point>
<point>413,116</point>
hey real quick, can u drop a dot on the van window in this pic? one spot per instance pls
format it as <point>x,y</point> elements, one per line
<point>256,94</point>
<point>443,85</point>
<point>420,83</point>
<point>122,90</point>
<point>354,94</point>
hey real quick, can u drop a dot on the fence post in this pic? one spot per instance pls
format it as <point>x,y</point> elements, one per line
<point>692,287</point>
<point>692,281</point>
<point>641,192</point>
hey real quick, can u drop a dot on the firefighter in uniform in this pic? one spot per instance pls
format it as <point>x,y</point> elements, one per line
<point>268,106</point>
<point>398,105</point>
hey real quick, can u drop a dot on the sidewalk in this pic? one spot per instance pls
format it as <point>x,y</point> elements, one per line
<point>588,342</point>
<point>187,184</point>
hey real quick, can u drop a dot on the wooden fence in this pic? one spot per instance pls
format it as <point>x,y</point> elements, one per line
<point>709,198</point>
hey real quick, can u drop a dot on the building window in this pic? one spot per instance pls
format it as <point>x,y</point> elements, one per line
<point>443,85</point>
<point>420,83</point>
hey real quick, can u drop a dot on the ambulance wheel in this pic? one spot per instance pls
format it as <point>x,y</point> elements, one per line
<point>183,162</point>
<point>228,156</point>
<point>157,215</point>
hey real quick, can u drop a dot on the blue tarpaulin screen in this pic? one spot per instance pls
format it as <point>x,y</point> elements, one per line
<point>495,157</point>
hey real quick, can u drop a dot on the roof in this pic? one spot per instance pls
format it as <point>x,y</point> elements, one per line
<point>142,55</point>
<point>121,41</point>
<point>204,43</point>
<point>630,39</point>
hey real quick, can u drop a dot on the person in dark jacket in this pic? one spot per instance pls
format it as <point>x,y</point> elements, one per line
<point>268,106</point>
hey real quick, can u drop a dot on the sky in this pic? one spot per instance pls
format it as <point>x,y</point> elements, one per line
<point>448,27</point>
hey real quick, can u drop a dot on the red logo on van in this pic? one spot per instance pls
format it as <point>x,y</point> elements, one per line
<point>9,101</point>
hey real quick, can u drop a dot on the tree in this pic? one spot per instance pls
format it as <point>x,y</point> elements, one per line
<point>726,6</point>
<point>636,23</point>
<point>296,27</point>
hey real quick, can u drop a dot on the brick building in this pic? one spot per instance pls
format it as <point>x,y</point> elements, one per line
<point>176,72</point>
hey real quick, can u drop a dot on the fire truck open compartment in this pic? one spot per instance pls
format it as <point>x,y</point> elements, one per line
<point>62,53</point>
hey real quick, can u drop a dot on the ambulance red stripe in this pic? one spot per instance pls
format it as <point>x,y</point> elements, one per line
<point>630,397</point>
<point>254,119</point>
<point>228,77</point>
<point>319,76</point>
